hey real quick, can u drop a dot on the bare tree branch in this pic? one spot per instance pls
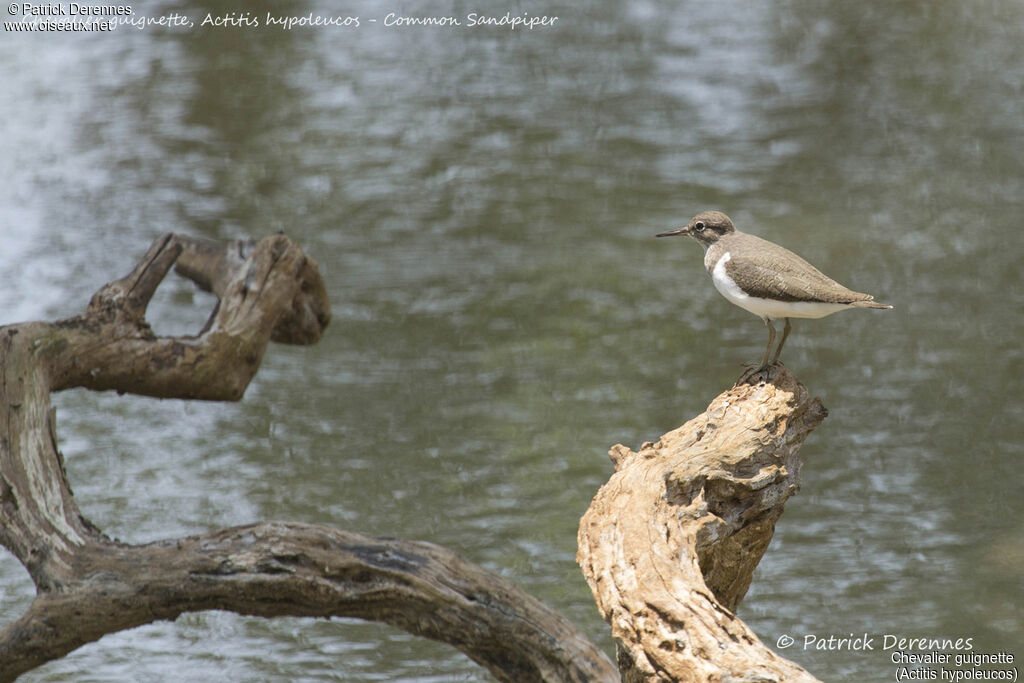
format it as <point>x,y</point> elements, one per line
<point>89,585</point>
<point>670,543</point>
<point>277,569</point>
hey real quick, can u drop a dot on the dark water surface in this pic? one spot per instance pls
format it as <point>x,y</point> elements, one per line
<point>482,204</point>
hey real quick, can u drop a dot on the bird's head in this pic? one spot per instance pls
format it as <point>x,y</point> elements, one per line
<point>707,227</point>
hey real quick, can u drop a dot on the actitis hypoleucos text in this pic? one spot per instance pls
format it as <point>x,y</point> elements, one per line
<point>769,281</point>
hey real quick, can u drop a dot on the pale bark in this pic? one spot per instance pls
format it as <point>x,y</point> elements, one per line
<point>670,543</point>
<point>89,585</point>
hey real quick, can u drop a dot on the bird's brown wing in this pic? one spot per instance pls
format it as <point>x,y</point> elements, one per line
<point>769,271</point>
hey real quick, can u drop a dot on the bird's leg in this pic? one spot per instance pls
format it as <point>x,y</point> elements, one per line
<point>771,339</point>
<point>785,333</point>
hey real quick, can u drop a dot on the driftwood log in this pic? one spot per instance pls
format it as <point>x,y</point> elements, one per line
<point>670,543</point>
<point>88,585</point>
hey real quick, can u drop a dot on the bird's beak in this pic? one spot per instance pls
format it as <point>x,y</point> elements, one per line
<point>672,233</point>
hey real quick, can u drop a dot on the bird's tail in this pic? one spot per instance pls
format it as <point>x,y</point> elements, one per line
<point>868,304</point>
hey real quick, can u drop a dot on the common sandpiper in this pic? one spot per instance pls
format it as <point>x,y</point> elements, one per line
<point>769,281</point>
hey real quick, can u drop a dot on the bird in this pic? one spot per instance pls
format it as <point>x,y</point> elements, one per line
<point>768,280</point>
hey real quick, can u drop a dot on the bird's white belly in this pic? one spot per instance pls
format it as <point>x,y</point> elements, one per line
<point>767,308</point>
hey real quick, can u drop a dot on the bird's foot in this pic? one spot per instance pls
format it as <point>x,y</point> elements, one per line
<point>756,374</point>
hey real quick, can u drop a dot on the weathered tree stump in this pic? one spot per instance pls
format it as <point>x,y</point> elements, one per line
<point>670,543</point>
<point>89,585</point>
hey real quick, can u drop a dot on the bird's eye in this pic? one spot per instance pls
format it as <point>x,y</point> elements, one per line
<point>699,226</point>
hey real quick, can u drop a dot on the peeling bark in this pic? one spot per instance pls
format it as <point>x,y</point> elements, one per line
<point>89,585</point>
<point>669,545</point>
